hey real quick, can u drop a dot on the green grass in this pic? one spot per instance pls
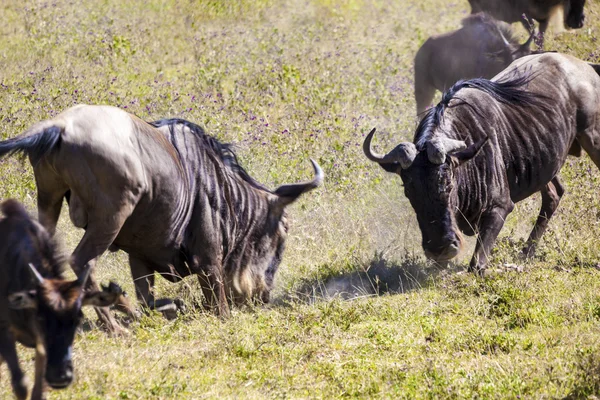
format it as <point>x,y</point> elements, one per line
<point>357,310</point>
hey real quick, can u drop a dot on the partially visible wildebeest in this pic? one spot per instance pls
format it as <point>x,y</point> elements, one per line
<point>38,307</point>
<point>480,49</point>
<point>172,197</point>
<point>540,10</point>
<point>489,144</point>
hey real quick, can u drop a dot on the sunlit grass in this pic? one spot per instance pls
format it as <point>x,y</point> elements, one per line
<point>287,81</point>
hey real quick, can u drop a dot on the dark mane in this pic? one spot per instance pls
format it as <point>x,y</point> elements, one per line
<point>509,92</point>
<point>223,151</point>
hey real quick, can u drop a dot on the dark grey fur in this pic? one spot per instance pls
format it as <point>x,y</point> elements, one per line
<point>517,131</point>
<point>172,197</point>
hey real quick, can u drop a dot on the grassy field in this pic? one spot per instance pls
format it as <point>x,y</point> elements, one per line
<point>357,310</point>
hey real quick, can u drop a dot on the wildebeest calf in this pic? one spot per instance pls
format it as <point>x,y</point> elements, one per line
<point>38,307</point>
<point>480,49</point>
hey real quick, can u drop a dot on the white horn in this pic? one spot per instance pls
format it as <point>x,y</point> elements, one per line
<point>36,274</point>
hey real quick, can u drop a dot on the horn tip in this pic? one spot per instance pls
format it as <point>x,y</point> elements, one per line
<point>319,175</point>
<point>36,273</point>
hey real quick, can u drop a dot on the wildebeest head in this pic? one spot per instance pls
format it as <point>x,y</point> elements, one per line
<point>574,15</point>
<point>51,305</point>
<point>253,248</point>
<point>270,247</point>
<point>502,43</point>
<point>429,184</point>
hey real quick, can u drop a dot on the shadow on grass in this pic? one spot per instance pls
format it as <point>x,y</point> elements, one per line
<point>376,278</point>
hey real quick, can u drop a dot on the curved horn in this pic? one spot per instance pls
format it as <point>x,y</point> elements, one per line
<point>83,278</point>
<point>378,158</point>
<point>506,43</point>
<point>404,153</point>
<point>38,277</point>
<point>288,193</point>
<point>437,148</point>
<point>524,49</point>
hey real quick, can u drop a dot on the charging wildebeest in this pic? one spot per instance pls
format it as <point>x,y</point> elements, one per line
<point>480,49</point>
<point>489,144</point>
<point>172,197</point>
<point>38,307</point>
<point>540,10</point>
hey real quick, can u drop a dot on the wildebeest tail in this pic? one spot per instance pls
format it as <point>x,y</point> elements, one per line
<point>36,142</point>
<point>596,67</point>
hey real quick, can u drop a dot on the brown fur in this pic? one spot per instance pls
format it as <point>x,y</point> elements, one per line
<point>60,295</point>
<point>480,49</point>
<point>38,309</point>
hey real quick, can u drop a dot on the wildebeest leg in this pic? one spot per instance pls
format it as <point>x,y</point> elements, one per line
<point>424,93</point>
<point>490,225</point>
<point>575,149</point>
<point>51,190</point>
<point>96,241</point>
<point>143,278</point>
<point>542,32</point>
<point>213,288</point>
<point>590,142</point>
<point>8,352</point>
<point>551,195</point>
<point>424,90</point>
<point>40,372</point>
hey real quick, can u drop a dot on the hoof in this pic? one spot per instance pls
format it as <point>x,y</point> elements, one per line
<point>21,388</point>
<point>526,253</point>
<point>513,267</point>
<point>169,308</point>
<point>113,328</point>
<point>481,272</point>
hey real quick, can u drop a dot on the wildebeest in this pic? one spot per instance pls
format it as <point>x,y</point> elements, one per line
<point>540,10</point>
<point>172,197</point>
<point>489,144</point>
<point>38,307</point>
<point>480,49</point>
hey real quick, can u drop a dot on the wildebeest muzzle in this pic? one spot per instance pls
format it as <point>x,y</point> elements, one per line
<point>61,375</point>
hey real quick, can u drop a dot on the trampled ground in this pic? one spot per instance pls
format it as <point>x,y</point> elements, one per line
<point>357,310</point>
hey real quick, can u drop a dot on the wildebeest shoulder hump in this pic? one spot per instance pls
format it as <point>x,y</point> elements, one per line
<point>509,91</point>
<point>223,151</point>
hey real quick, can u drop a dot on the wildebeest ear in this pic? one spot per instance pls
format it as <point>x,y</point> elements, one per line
<point>107,297</point>
<point>471,151</point>
<point>22,300</point>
